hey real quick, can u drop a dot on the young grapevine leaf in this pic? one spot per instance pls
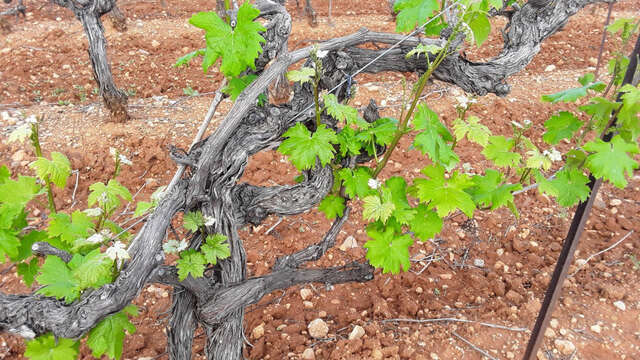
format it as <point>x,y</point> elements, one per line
<point>626,25</point>
<point>70,228</point>
<point>238,84</point>
<point>402,211</point>
<point>375,208</point>
<point>28,271</point>
<point>19,192</point>
<point>142,207</point>
<point>571,95</point>
<point>487,191</point>
<point>481,27</point>
<point>561,126</point>
<point>190,262</point>
<point>423,49</point>
<point>107,337</point>
<point>433,138</point>
<point>348,142</point>
<point>57,169</point>
<point>536,160</point>
<point>499,152</point>
<point>92,270</point>
<point>569,186</point>
<point>305,74</point>
<point>58,280</point>
<point>108,196</point>
<point>472,129</point>
<point>9,244</point>
<point>425,223</point>
<point>25,244</point>
<point>186,59</point>
<point>193,220</point>
<point>387,250</point>
<point>343,112</point>
<point>381,132</point>
<point>332,206</point>
<point>238,47</point>
<point>601,109</point>
<point>215,248</point>
<point>445,195</point>
<point>47,347</point>
<point>628,115</point>
<point>412,13</point>
<point>356,182</point>
<point>5,174</point>
<point>302,147</point>
<point>611,160</point>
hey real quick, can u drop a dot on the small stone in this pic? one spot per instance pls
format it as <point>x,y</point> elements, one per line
<point>596,329</point>
<point>549,333</point>
<point>155,43</point>
<point>550,68</point>
<point>615,202</point>
<point>376,354</point>
<point>566,347</point>
<point>446,276</point>
<point>318,328</point>
<point>510,355</point>
<point>349,243</point>
<point>419,290</point>
<point>478,263</point>
<point>554,323</point>
<point>19,155</point>
<point>620,305</point>
<point>307,304</point>
<point>306,294</point>
<point>258,331</point>
<point>500,252</point>
<point>308,354</point>
<point>356,333</point>
<point>434,356</point>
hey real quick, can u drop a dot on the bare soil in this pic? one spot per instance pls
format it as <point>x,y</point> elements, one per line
<point>492,270</point>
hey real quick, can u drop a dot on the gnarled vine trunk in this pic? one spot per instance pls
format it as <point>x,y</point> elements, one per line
<point>217,301</point>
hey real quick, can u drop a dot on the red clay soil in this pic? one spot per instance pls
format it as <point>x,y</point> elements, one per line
<point>492,271</point>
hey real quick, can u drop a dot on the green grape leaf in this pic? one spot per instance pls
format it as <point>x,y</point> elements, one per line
<point>432,140</point>
<point>238,84</point>
<point>215,248</point>
<point>499,152</point>
<point>610,161</point>
<point>561,126</point>
<point>5,174</point>
<point>481,27</point>
<point>20,191</point>
<point>425,223</point>
<point>70,228</point>
<point>624,24</point>
<point>445,195</point>
<point>108,336</point>
<point>381,132</point>
<point>58,280</point>
<point>332,206</point>
<point>343,112</point>
<point>57,169</point>
<point>108,196</point>
<point>569,186</point>
<point>402,211</point>
<point>193,220</point>
<point>571,95</point>
<point>190,262</point>
<point>472,129</point>
<point>601,109</point>
<point>374,208</point>
<point>302,147</point>
<point>47,347</point>
<point>28,271</point>
<point>628,114</point>
<point>487,191</point>
<point>186,59</point>
<point>387,250</point>
<point>356,182</point>
<point>142,207</point>
<point>496,4</point>
<point>423,49</point>
<point>9,244</point>
<point>412,13</point>
<point>536,160</point>
<point>348,142</point>
<point>92,270</point>
<point>238,47</point>
<point>305,74</point>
